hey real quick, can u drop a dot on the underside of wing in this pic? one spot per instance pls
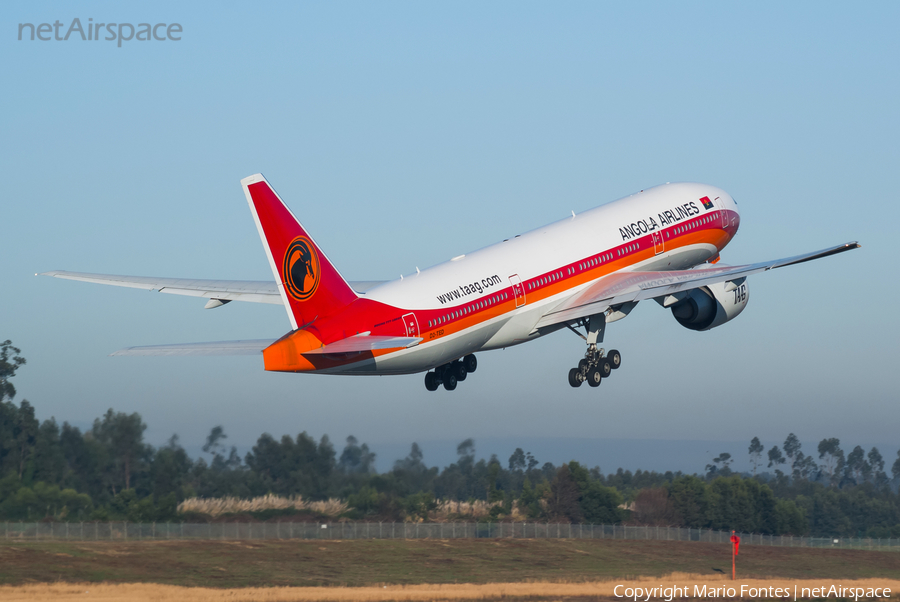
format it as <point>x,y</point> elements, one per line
<point>224,291</point>
<point>359,343</point>
<point>251,347</point>
<point>625,287</point>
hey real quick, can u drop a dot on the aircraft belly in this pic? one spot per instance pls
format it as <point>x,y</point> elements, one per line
<point>362,367</point>
<point>682,258</point>
<point>429,355</point>
<point>518,329</point>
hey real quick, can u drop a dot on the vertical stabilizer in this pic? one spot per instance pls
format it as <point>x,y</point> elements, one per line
<point>309,284</point>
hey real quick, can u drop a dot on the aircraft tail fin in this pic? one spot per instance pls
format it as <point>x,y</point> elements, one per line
<point>310,285</point>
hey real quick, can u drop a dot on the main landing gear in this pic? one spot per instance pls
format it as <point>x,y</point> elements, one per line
<point>596,364</point>
<point>451,373</point>
<point>595,367</point>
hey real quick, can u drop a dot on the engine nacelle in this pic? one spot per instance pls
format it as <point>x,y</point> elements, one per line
<point>710,306</point>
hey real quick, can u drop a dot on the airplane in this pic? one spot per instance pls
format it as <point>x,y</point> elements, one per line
<point>580,273</point>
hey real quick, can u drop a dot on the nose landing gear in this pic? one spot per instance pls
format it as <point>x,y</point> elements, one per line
<point>596,364</point>
<point>451,374</point>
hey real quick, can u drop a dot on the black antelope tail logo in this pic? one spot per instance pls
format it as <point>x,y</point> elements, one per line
<point>301,269</point>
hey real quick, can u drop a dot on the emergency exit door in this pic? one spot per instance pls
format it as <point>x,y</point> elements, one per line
<point>658,245</point>
<point>411,325</point>
<point>518,289</point>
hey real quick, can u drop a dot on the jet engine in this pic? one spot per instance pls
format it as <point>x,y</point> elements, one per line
<point>710,306</point>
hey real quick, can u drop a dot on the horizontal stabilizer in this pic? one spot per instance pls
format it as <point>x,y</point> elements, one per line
<point>254,347</point>
<point>361,343</point>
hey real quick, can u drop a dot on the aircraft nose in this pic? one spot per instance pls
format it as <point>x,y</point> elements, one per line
<point>734,223</point>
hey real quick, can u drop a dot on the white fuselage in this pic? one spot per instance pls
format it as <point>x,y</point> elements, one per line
<point>550,263</point>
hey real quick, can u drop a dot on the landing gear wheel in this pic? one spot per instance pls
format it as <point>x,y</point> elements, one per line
<point>615,358</point>
<point>459,371</point>
<point>449,382</point>
<point>605,368</point>
<point>575,377</point>
<point>583,364</point>
<point>431,381</point>
<point>593,377</point>
<point>470,362</point>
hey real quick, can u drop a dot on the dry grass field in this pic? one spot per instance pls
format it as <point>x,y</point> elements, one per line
<point>304,563</point>
<point>591,590</point>
<point>488,569</point>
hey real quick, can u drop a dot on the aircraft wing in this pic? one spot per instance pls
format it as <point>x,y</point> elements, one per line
<point>254,291</point>
<point>253,347</point>
<point>624,287</point>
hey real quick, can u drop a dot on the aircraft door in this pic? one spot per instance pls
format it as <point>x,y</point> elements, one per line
<point>658,245</point>
<point>518,289</point>
<point>411,325</point>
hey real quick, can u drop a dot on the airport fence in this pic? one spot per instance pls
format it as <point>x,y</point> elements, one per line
<point>125,531</point>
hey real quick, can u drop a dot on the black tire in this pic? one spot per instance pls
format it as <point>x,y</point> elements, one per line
<point>431,381</point>
<point>605,368</point>
<point>615,358</point>
<point>459,371</point>
<point>449,382</point>
<point>582,364</point>
<point>470,362</point>
<point>594,377</point>
<point>574,379</point>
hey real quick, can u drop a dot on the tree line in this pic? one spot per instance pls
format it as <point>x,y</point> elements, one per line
<point>108,472</point>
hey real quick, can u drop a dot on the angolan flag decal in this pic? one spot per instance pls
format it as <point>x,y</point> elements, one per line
<point>708,204</point>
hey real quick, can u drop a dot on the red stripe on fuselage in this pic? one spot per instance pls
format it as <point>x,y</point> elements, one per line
<point>366,315</point>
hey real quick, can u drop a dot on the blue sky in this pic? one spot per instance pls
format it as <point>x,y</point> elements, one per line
<point>403,134</point>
